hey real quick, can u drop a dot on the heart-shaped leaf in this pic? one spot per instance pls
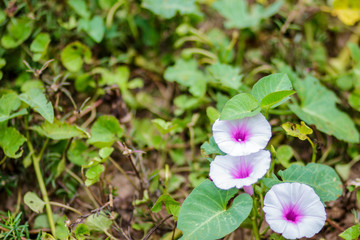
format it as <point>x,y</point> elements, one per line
<point>205,213</point>
<point>240,106</point>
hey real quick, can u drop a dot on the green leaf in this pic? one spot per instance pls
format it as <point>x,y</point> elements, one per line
<point>80,7</point>
<point>205,214</point>
<point>81,230</point>
<point>323,179</point>
<point>18,30</point>
<point>34,202</point>
<point>355,51</point>
<point>186,73</point>
<point>93,174</point>
<point>318,107</point>
<point>36,99</point>
<point>77,153</point>
<point>105,152</point>
<point>352,233</point>
<point>74,55</point>
<point>227,75</point>
<point>163,126</point>
<point>98,222</point>
<point>2,16</point>
<point>10,141</point>
<point>10,102</point>
<point>283,154</point>
<point>274,99</point>
<point>105,131</point>
<point>94,28</point>
<point>60,130</point>
<point>172,206</point>
<point>270,84</point>
<point>212,114</point>
<point>297,130</point>
<point>120,76</point>
<point>40,45</point>
<point>211,147</point>
<point>240,106</point>
<point>168,9</point>
<point>239,15</point>
<point>354,100</point>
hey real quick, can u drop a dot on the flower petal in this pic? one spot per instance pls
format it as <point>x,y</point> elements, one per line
<point>242,136</point>
<point>307,213</point>
<point>230,171</point>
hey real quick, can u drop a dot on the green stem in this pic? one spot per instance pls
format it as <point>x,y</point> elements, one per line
<point>65,206</point>
<point>40,179</point>
<point>254,222</point>
<point>36,163</point>
<point>313,158</point>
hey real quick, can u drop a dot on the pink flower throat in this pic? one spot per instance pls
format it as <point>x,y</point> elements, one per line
<point>242,171</point>
<point>292,214</point>
<point>240,134</point>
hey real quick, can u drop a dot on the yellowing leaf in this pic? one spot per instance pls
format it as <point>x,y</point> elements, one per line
<point>297,130</point>
<point>348,11</point>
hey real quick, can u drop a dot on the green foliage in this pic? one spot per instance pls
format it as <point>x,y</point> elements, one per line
<point>98,222</point>
<point>351,233</point>
<point>74,55</point>
<point>172,206</point>
<point>226,75</point>
<point>186,73</point>
<point>17,31</point>
<point>105,131</point>
<point>36,99</point>
<point>239,15</point>
<point>168,9</point>
<point>93,174</point>
<point>205,213</point>
<point>318,107</point>
<point>95,28</point>
<point>40,45</point>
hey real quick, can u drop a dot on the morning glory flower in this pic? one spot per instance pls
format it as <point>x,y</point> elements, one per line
<point>294,210</point>
<point>242,136</point>
<point>239,171</point>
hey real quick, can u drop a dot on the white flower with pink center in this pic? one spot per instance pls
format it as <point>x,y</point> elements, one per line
<point>294,210</point>
<point>242,136</point>
<point>239,171</point>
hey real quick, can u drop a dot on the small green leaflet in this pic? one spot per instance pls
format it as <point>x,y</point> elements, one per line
<point>239,15</point>
<point>205,214</point>
<point>172,206</point>
<point>34,202</point>
<point>10,141</point>
<point>36,99</point>
<point>169,8</point>
<point>74,55</point>
<point>105,131</point>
